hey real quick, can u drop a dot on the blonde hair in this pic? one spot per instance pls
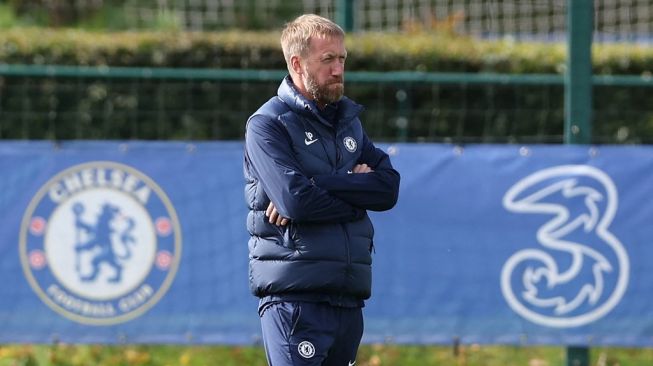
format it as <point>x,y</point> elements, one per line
<point>296,35</point>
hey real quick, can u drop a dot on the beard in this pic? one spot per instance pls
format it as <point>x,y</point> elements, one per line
<point>327,93</point>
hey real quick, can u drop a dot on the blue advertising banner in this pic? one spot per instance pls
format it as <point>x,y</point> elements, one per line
<point>145,242</point>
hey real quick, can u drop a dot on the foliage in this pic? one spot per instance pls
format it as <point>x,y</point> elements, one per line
<point>433,52</point>
<point>369,355</point>
<point>116,15</point>
<point>52,13</point>
<point>138,49</point>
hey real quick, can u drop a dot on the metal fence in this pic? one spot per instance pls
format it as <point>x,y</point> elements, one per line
<point>74,103</point>
<point>615,20</point>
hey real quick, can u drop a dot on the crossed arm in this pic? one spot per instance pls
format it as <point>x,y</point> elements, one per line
<point>275,218</point>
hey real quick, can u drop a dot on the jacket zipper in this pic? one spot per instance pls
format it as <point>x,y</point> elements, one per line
<point>343,225</point>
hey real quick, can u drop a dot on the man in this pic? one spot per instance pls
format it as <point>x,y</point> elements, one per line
<point>311,173</point>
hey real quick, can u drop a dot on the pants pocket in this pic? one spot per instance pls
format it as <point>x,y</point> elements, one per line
<point>288,314</point>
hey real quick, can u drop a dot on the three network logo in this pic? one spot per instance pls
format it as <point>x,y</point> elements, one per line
<point>575,270</point>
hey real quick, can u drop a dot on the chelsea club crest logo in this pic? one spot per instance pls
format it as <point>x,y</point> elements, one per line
<point>100,243</point>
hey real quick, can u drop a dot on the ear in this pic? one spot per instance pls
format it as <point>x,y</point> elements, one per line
<point>296,64</point>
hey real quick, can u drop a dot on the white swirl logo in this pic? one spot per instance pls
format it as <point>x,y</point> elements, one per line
<point>582,271</point>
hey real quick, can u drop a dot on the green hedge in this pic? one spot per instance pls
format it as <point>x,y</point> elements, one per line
<point>432,52</point>
<point>99,108</point>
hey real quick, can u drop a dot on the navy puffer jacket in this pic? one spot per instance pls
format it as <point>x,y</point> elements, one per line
<point>302,163</point>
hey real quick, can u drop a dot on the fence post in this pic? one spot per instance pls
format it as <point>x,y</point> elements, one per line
<point>578,76</point>
<point>578,101</point>
<point>345,14</point>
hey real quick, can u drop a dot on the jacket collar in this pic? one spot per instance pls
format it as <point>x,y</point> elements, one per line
<point>288,93</point>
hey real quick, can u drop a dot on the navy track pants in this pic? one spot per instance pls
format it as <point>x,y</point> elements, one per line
<point>308,333</point>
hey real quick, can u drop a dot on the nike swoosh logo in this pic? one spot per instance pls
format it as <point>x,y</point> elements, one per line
<point>308,142</point>
<point>351,363</point>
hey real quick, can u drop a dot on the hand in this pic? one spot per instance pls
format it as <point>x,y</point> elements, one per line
<point>362,168</point>
<point>274,217</point>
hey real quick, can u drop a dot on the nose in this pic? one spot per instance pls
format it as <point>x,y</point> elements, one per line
<point>338,68</point>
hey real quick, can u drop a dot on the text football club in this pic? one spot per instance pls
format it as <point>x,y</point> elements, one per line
<point>100,243</point>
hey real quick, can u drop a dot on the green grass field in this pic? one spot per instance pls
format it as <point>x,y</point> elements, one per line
<point>369,355</point>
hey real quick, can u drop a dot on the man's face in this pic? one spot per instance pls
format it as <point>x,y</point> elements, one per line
<point>324,70</point>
